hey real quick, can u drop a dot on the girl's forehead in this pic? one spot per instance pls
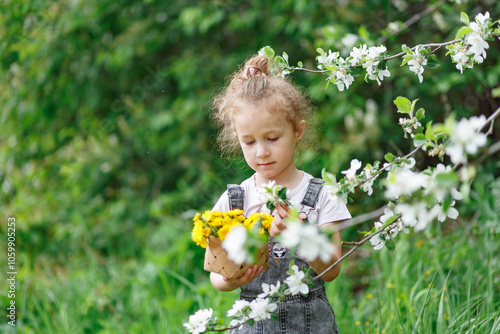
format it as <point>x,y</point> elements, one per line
<point>259,119</point>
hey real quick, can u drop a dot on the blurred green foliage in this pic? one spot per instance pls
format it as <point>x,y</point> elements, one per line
<point>105,130</point>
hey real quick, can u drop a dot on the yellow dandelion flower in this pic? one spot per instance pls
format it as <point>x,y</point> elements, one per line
<point>234,213</point>
<point>250,221</point>
<point>198,234</point>
<point>217,222</point>
<point>196,217</point>
<point>223,231</point>
<point>267,220</point>
<point>369,296</point>
<point>207,215</point>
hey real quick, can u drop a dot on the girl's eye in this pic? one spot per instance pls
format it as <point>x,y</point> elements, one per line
<point>249,142</point>
<point>273,139</point>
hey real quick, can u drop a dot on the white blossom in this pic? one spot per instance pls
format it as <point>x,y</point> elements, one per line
<point>234,244</point>
<point>239,311</point>
<point>417,64</point>
<point>415,214</point>
<point>357,54</point>
<point>295,282</point>
<point>478,46</point>
<point>378,240</point>
<point>351,172</point>
<point>390,231</point>
<point>311,243</point>
<point>372,60</point>
<point>327,60</point>
<point>367,185</point>
<point>335,197</point>
<point>198,322</point>
<point>451,212</point>
<point>465,138</point>
<point>269,290</point>
<point>402,181</point>
<point>262,308</point>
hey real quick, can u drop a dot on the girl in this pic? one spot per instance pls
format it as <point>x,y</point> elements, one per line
<point>265,116</point>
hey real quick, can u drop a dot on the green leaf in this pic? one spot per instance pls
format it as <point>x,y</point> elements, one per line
<point>419,139</point>
<point>270,206</point>
<point>406,49</point>
<point>285,56</point>
<point>420,114</point>
<point>300,64</point>
<point>268,52</point>
<point>403,104</point>
<point>432,62</point>
<point>464,18</point>
<point>462,32</point>
<point>413,103</point>
<point>389,157</point>
<point>390,244</point>
<point>495,92</point>
<point>328,177</point>
<point>446,179</point>
<point>429,133</point>
<point>406,59</point>
<point>282,193</point>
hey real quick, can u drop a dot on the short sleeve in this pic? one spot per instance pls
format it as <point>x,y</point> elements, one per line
<point>222,204</point>
<point>330,211</point>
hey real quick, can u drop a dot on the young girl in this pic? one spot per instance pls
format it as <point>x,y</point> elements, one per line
<point>265,116</point>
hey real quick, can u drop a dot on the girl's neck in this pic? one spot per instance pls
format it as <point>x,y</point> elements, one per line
<point>290,181</point>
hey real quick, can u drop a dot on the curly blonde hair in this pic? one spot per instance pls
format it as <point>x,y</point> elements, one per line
<point>253,85</point>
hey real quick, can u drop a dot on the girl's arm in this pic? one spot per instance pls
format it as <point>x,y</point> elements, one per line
<point>222,283</point>
<point>318,266</point>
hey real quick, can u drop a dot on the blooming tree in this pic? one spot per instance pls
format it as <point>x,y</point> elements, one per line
<point>414,199</point>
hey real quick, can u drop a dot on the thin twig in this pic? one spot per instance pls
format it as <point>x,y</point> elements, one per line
<point>348,253</point>
<point>411,21</point>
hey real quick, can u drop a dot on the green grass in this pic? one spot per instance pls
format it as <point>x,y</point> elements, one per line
<point>443,280</point>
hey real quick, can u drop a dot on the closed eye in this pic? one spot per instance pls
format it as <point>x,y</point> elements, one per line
<point>273,139</point>
<point>250,142</point>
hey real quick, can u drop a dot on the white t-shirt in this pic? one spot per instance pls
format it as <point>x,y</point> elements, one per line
<point>326,211</point>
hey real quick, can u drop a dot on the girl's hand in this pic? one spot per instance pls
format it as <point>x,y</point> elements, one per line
<point>278,224</point>
<point>249,276</point>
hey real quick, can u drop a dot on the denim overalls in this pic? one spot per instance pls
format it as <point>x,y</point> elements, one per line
<point>297,314</point>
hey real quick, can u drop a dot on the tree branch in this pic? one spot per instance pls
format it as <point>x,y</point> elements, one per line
<point>411,21</point>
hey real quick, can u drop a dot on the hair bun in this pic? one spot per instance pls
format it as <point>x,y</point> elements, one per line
<point>256,67</point>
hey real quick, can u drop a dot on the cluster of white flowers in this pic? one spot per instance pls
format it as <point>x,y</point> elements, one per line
<point>417,63</point>
<point>340,69</point>
<point>309,241</point>
<point>390,231</point>
<point>198,322</point>
<point>466,138</point>
<point>409,125</point>
<point>472,50</point>
<point>476,39</point>
<point>403,181</point>
<point>295,282</point>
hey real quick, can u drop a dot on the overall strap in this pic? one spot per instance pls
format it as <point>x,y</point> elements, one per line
<point>311,196</point>
<point>236,195</point>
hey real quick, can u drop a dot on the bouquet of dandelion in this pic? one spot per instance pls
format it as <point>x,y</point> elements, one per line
<point>210,231</point>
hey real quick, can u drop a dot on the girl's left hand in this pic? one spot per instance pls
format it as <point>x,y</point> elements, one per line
<point>278,223</point>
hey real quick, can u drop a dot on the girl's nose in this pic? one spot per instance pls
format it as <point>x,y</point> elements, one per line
<point>262,151</point>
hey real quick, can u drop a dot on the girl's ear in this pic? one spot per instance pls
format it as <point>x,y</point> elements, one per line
<point>301,128</point>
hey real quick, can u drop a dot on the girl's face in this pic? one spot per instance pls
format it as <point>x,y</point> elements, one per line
<point>268,144</point>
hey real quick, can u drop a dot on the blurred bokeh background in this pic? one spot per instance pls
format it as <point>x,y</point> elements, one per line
<point>107,150</point>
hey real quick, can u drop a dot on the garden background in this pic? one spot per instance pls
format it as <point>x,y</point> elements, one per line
<point>107,150</point>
